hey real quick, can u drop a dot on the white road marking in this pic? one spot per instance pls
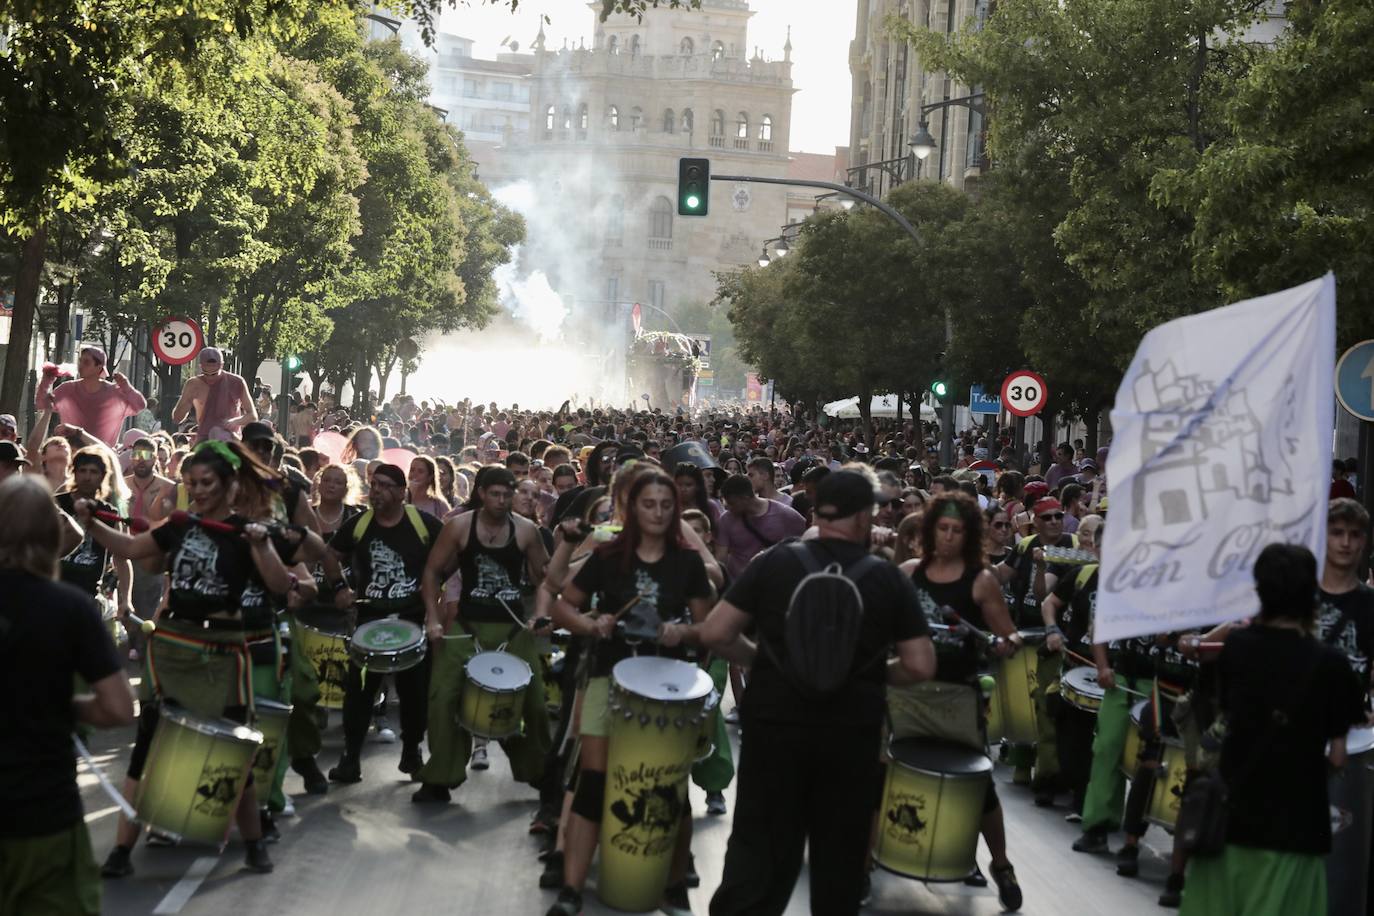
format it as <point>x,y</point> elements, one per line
<point>181,892</point>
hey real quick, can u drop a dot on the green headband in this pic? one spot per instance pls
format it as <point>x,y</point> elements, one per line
<point>219,448</point>
<point>951,510</point>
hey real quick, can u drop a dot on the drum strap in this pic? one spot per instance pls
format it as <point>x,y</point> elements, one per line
<point>476,643</point>
<point>243,675</point>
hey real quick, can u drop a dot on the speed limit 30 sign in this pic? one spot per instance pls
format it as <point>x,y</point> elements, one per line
<point>1024,393</point>
<point>177,341</point>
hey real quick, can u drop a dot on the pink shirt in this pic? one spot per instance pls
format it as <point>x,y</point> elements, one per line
<point>100,412</point>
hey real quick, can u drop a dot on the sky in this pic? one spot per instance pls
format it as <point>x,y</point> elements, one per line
<point>821,31</point>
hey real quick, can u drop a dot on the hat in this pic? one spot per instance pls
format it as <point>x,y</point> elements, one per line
<point>1087,464</point>
<point>252,432</point>
<point>966,475</point>
<point>1035,489</point>
<point>861,449</point>
<point>841,494</point>
<point>1048,504</point>
<point>7,419</point>
<point>10,454</point>
<point>392,473</point>
<point>691,452</point>
<point>210,354</point>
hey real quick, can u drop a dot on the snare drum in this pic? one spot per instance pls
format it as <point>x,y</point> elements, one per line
<point>932,806</point>
<point>324,644</point>
<point>1017,685</point>
<point>493,696</point>
<point>388,645</point>
<point>196,771</point>
<point>1079,687</point>
<point>270,719</point>
<point>1351,794</point>
<point>656,707</point>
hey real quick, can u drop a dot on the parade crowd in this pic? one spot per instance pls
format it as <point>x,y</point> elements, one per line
<point>603,593</point>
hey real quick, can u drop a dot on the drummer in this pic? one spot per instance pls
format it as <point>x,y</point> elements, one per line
<point>647,568</point>
<point>492,548</point>
<point>197,656</point>
<point>96,478</point>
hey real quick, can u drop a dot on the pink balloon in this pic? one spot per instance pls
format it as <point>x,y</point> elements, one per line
<point>332,444</point>
<point>401,457</point>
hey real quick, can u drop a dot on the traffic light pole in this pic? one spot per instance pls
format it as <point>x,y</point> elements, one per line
<point>946,404</point>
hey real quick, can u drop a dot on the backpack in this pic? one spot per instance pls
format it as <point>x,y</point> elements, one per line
<point>365,519</point>
<point>823,622</point>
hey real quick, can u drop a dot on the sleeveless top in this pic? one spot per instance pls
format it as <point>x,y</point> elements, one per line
<point>957,657</point>
<point>491,575</point>
<point>218,399</point>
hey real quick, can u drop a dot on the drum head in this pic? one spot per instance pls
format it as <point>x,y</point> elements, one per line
<point>664,679</point>
<point>387,635</point>
<point>224,729</point>
<point>325,620</point>
<point>1084,680</point>
<point>1359,741</point>
<point>934,755</point>
<point>712,700</point>
<point>1033,635</point>
<point>499,671</point>
<point>264,706</point>
<point>1138,713</point>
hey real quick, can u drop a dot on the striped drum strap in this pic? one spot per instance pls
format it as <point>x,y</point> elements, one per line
<point>239,649</point>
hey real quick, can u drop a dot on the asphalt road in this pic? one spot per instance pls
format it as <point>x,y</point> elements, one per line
<point>366,849</point>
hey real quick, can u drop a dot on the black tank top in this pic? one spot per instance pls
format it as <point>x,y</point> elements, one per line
<point>491,575</point>
<point>956,657</point>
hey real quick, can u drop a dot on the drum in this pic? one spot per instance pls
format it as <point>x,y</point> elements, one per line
<point>387,645</point>
<point>1079,686</point>
<point>324,643</point>
<point>194,776</point>
<point>706,737</point>
<point>656,710</point>
<point>270,720</point>
<point>988,692</point>
<point>1351,794</point>
<point>493,695</point>
<point>1130,751</point>
<point>932,806</point>
<point>1168,793</point>
<point>1016,689</point>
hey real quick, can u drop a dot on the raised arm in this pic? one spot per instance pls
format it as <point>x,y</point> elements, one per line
<point>443,559</point>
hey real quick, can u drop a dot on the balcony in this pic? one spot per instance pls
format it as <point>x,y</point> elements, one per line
<point>660,244</point>
<point>765,146</point>
<point>717,142</point>
<point>742,143</point>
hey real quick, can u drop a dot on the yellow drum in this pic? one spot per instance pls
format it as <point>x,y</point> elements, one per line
<point>1016,689</point>
<point>324,643</point>
<point>656,709</point>
<point>1168,794</point>
<point>932,806</point>
<point>1130,751</point>
<point>270,720</point>
<point>493,698</point>
<point>987,685</point>
<point>196,771</point>
<point>1079,687</point>
<point>706,736</point>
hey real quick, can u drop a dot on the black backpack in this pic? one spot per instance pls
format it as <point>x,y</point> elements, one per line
<point>823,622</point>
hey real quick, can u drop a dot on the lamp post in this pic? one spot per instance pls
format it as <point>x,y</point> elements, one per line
<point>923,144</point>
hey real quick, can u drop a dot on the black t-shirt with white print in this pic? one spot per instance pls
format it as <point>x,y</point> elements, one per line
<point>1346,621</point>
<point>85,566</point>
<point>388,564</point>
<point>207,569</point>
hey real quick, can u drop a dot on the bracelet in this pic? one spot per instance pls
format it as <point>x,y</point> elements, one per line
<point>1053,630</point>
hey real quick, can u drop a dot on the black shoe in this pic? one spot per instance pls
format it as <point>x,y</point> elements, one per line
<point>428,792</point>
<point>545,820</point>
<point>977,879</point>
<point>1008,890</point>
<point>1044,798</point>
<point>270,833</point>
<point>309,770</point>
<point>675,902</point>
<point>715,803</point>
<point>1128,861</point>
<point>117,863</point>
<point>1173,892</point>
<point>569,903</point>
<point>1093,840</point>
<point>348,770</point>
<point>411,761</point>
<point>866,890</point>
<point>692,879</point>
<point>255,857</point>
<point>552,875</point>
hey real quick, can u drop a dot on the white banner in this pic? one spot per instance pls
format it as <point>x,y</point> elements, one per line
<point>1221,444</point>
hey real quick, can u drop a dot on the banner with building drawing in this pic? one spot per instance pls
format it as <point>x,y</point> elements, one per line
<point>1221,444</point>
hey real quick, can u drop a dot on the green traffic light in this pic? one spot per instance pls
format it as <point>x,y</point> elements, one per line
<point>292,363</point>
<point>693,201</point>
<point>939,388</point>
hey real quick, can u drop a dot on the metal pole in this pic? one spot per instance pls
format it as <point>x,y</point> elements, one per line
<point>1365,473</point>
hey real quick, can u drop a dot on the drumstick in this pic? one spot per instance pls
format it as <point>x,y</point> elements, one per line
<point>136,525</point>
<point>182,518</point>
<point>110,790</point>
<point>953,617</point>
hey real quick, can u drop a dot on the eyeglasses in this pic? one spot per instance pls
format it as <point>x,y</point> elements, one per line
<point>1001,524</point>
<point>1053,517</point>
<point>143,454</point>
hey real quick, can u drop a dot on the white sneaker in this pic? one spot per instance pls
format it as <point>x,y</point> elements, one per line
<point>479,758</point>
<point>383,729</point>
<point>289,810</point>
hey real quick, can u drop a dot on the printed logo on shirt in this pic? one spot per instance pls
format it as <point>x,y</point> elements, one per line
<point>196,566</point>
<point>87,554</point>
<point>1346,639</point>
<point>389,576</point>
<point>493,581</point>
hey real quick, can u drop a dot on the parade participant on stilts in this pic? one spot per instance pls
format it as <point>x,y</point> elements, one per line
<point>493,549</point>
<point>89,402</point>
<point>50,635</point>
<point>197,656</point>
<point>221,400</point>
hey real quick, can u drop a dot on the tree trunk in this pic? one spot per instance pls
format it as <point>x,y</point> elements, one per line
<point>1090,440</point>
<point>866,411</point>
<point>62,323</point>
<point>26,282</point>
<point>212,326</point>
<point>899,410</point>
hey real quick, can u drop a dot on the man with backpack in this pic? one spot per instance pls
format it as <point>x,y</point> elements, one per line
<point>751,524</point>
<point>825,613</point>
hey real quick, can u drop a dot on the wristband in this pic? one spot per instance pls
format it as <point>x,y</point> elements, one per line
<point>1053,630</point>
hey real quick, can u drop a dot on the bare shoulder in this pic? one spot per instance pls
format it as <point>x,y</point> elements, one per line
<point>909,566</point>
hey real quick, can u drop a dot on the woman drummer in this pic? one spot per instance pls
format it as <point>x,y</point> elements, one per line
<point>197,657</point>
<point>647,566</point>
<point>950,575</point>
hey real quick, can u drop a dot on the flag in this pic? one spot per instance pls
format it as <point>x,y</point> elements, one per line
<point>1221,445</point>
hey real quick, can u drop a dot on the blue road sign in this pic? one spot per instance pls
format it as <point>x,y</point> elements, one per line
<point>979,402</point>
<point>1355,380</point>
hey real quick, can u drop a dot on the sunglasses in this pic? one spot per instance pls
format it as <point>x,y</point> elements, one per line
<point>1053,517</point>
<point>1001,524</point>
<point>143,454</point>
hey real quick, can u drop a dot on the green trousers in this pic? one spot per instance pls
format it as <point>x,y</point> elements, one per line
<point>51,875</point>
<point>302,729</point>
<point>450,745</point>
<point>715,772</point>
<point>1104,802</point>
<point>1244,881</point>
<point>267,684</point>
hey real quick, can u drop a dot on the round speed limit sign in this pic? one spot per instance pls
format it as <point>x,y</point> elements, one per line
<point>1024,393</point>
<point>177,341</point>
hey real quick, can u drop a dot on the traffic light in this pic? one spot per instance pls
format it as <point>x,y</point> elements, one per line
<point>292,364</point>
<point>290,369</point>
<point>693,186</point>
<point>939,388</point>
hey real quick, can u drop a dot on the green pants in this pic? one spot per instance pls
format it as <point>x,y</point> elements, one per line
<point>1244,881</point>
<point>302,730</point>
<point>1046,745</point>
<point>267,684</point>
<point>51,875</point>
<point>1103,804</point>
<point>450,745</point>
<point>715,772</point>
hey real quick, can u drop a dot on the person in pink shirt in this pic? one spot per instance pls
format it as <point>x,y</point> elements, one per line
<point>91,403</point>
<point>220,399</point>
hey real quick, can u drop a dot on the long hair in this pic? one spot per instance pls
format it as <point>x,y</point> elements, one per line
<point>443,462</point>
<point>623,482</point>
<point>112,488</point>
<point>595,474</point>
<point>354,490</point>
<point>31,539</point>
<point>687,469</point>
<point>351,451</point>
<point>969,514</point>
<point>257,482</point>
<point>432,491</point>
<point>624,545</point>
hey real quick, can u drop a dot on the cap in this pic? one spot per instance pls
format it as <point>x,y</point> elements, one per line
<point>1035,489</point>
<point>7,419</point>
<point>1048,504</point>
<point>392,473</point>
<point>256,430</point>
<point>10,454</point>
<point>1087,464</point>
<point>841,494</point>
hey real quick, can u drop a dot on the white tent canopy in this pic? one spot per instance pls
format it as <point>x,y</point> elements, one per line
<point>882,407</point>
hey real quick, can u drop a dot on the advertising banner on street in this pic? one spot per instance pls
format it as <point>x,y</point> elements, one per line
<point>753,388</point>
<point>1221,445</point>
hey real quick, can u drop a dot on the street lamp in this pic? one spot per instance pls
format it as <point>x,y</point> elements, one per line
<point>922,143</point>
<point>764,260</point>
<point>782,248</point>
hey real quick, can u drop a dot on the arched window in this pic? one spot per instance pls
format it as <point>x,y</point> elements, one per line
<point>668,121</point>
<point>582,116</point>
<point>636,118</point>
<point>613,117</point>
<point>687,120</point>
<point>615,217</point>
<point>661,219</point>
<point>567,117</point>
<point>742,126</point>
<point>634,45</point>
<point>613,45</point>
<point>717,50</point>
<point>549,115</point>
<point>766,128</point>
<point>718,123</point>
<point>686,48</point>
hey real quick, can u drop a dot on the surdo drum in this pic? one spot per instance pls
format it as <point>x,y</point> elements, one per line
<point>493,695</point>
<point>270,718</point>
<point>932,807</point>
<point>1016,689</point>
<point>324,643</point>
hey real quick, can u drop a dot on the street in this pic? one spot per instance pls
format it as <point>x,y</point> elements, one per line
<point>367,849</point>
